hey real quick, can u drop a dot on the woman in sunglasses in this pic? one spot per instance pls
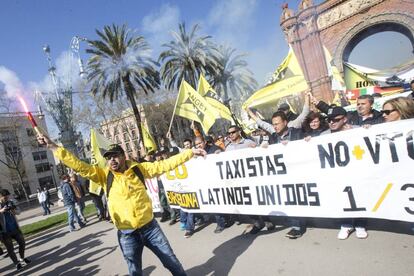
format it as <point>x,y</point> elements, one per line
<point>398,109</point>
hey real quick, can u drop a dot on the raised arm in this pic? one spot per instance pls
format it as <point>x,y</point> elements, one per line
<point>297,123</point>
<point>86,170</point>
<point>262,124</point>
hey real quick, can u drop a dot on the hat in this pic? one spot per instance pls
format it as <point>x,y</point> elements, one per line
<point>336,111</point>
<point>284,107</point>
<point>113,149</point>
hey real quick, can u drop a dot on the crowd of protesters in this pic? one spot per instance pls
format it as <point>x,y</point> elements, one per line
<point>317,118</point>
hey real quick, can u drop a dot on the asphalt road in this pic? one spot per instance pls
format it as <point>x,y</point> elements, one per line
<point>94,251</point>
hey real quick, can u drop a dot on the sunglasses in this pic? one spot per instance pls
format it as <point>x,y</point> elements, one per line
<point>388,112</point>
<point>231,132</point>
<point>115,155</point>
<point>333,120</point>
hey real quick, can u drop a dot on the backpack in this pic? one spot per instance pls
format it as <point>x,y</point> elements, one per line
<point>110,179</point>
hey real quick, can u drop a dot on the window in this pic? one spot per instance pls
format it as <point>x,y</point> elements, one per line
<point>43,167</point>
<point>117,139</point>
<point>124,128</point>
<point>126,137</point>
<point>46,181</point>
<point>40,155</point>
<point>30,132</point>
<point>133,134</point>
<point>115,130</point>
<point>107,134</point>
<point>128,147</point>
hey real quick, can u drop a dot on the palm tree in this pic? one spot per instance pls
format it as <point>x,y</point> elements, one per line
<point>186,57</point>
<point>121,65</point>
<point>233,78</point>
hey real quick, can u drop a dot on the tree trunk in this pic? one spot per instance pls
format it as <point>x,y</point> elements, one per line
<point>130,91</point>
<point>21,184</point>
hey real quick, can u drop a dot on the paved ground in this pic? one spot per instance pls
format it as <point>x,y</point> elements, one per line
<point>94,251</point>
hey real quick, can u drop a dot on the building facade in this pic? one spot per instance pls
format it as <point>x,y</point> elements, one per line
<point>23,163</point>
<point>124,131</point>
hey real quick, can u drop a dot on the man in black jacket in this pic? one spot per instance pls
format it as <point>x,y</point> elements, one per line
<point>364,115</point>
<point>10,230</point>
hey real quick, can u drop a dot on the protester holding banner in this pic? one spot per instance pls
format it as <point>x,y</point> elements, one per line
<point>129,204</point>
<point>282,133</point>
<point>364,115</point>
<point>314,124</point>
<point>238,142</point>
<point>338,121</point>
<point>200,143</point>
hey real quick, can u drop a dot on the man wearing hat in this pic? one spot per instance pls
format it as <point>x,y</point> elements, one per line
<point>129,205</point>
<point>337,120</point>
<point>285,108</point>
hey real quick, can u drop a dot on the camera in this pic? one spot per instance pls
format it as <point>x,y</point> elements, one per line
<point>9,206</point>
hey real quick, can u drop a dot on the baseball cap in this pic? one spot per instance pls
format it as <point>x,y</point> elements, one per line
<point>336,111</point>
<point>284,107</point>
<point>113,149</point>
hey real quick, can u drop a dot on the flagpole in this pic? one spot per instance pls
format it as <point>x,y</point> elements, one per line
<point>175,107</point>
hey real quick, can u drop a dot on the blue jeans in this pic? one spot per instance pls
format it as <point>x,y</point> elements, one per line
<point>188,220</point>
<point>72,216</point>
<point>151,236</point>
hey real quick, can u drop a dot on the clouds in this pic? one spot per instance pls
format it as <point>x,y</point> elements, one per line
<point>67,71</point>
<point>231,21</point>
<point>159,23</point>
<point>11,82</point>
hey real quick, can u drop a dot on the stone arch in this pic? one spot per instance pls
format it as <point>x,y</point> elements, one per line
<point>398,22</point>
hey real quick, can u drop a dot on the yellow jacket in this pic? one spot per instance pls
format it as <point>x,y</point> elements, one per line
<point>128,203</point>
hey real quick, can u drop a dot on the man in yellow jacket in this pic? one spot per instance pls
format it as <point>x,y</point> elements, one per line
<point>129,205</point>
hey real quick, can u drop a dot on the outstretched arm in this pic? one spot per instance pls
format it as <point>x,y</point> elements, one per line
<point>93,173</point>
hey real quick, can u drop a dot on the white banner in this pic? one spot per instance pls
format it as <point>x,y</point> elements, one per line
<point>355,173</point>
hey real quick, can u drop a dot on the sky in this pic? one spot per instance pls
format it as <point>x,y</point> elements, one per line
<point>251,26</point>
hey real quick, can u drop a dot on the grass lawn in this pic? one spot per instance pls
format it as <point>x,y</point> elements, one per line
<point>52,221</point>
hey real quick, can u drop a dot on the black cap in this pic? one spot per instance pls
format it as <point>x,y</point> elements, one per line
<point>336,111</point>
<point>284,107</point>
<point>114,149</point>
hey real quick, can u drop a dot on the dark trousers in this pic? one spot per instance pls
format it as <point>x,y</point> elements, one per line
<point>7,240</point>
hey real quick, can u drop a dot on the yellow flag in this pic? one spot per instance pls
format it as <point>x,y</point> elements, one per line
<point>193,106</point>
<point>213,99</point>
<point>337,82</point>
<point>148,139</point>
<point>287,80</point>
<point>99,144</point>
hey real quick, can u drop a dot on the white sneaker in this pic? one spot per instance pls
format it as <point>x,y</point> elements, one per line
<point>361,233</point>
<point>344,232</point>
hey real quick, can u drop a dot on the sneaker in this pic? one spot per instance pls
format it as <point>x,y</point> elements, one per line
<point>361,233</point>
<point>164,218</point>
<point>255,230</point>
<point>188,234</point>
<point>199,222</point>
<point>19,267</point>
<point>345,232</point>
<point>294,234</point>
<point>27,261</point>
<point>172,222</point>
<point>219,229</point>
<point>269,226</point>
